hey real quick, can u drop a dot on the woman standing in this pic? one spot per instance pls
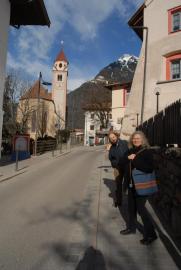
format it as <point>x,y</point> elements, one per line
<point>117,158</point>
<point>140,157</point>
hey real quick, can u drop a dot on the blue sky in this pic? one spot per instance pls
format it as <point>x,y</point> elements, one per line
<point>95,33</point>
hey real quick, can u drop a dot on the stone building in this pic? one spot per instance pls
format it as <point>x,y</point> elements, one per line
<point>158,24</point>
<point>34,13</point>
<point>45,112</point>
<point>59,86</point>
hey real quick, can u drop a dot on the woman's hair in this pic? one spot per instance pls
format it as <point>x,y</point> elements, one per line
<point>114,133</point>
<point>145,142</point>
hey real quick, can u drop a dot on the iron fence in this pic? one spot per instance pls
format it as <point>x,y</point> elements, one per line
<point>165,127</point>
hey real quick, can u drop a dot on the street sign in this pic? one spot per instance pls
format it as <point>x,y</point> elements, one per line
<point>21,143</point>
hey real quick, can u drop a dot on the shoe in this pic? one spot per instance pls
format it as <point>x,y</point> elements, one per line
<point>148,241</point>
<point>127,231</point>
<point>116,204</point>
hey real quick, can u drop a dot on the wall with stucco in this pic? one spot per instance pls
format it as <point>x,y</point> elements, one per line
<point>4,26</point>
<point>118,107</point>
<point>160,45</point>
<point>44,105</point>
<point>59,88</point>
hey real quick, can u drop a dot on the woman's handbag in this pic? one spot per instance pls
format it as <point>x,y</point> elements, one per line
<point>145,183</point>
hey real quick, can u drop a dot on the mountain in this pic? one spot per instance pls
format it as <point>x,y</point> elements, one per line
<point>83,96</point>
<point>121,71</point>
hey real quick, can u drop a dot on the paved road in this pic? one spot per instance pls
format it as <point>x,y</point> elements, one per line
<point>41,212</point>
<point>59,216</point>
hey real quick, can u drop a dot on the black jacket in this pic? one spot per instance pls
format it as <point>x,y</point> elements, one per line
<point>143,161</point>
<point>117,154</point>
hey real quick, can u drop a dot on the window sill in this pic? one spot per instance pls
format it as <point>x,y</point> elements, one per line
<point>168,81</point>
<point>172,32</point>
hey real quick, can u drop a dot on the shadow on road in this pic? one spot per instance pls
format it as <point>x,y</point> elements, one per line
<point>69,252</point>
<point>124,213</point>
<point>92,260</point>
<point>104,167</point>
<point>77,252</point>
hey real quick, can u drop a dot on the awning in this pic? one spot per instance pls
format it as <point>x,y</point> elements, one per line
<point>28,12</point>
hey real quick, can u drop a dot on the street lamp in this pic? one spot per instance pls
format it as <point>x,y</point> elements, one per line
<point>37,114</point>
<point>157,93</point>
<point>145,68</point>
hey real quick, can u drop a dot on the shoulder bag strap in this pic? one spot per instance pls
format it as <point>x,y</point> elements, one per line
<point>130,173</point>
<point>140,151</point>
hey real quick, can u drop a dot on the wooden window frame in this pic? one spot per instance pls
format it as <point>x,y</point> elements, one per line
<point>169,61</point>
<point>171,12</point>
<point>91,127</point>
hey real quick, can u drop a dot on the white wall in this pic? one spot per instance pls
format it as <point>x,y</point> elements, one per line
<point>4,26</point>
<point>59,89</point>
<point>160,44</point>
<point>88,122</point>
<point>118,107</point>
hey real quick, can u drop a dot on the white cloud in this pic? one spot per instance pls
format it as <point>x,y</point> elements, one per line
<point>33,44</point>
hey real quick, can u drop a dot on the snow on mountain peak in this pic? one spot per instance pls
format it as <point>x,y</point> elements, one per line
<point>127,57</point>
<point>126,60</point>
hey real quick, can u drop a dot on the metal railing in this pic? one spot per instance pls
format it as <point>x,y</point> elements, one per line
<point>165,127</point>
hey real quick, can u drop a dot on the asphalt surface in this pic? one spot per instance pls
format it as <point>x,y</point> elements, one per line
<point>59,215</point>
<point>47,211</point>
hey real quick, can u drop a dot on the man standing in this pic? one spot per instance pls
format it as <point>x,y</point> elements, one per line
<point>117,152</point>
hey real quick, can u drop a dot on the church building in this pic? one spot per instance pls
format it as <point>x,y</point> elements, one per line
<point>41,112</point>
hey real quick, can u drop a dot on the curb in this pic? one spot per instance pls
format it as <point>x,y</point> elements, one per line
<point>11,176</point>
<point>24,171</point>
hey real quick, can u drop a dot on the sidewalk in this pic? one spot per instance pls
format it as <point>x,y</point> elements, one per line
<point>125,252</point>
<point>94,243</point>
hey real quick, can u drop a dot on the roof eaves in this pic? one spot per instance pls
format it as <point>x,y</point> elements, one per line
<point>25,12</point>
<point>138,20</point>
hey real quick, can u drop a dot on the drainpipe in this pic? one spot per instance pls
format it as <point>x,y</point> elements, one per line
<point>145,70</point>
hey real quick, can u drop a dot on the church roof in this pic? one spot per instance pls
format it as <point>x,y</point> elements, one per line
<point>33,92</point>
<point>61,57</point>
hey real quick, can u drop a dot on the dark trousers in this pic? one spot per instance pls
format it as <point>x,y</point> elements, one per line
<point>118,174</point>
<point>136,204</point>
<point>132,210</point>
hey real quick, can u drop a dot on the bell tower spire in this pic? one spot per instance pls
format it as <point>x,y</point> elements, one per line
<point>59,85</point>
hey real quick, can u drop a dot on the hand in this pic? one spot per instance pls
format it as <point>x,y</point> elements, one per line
<point>131,157</point>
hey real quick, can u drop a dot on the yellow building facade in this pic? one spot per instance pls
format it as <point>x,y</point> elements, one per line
<point>42,113</point>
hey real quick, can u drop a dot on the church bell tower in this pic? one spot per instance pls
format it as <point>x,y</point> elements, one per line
<point>59,87</point>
